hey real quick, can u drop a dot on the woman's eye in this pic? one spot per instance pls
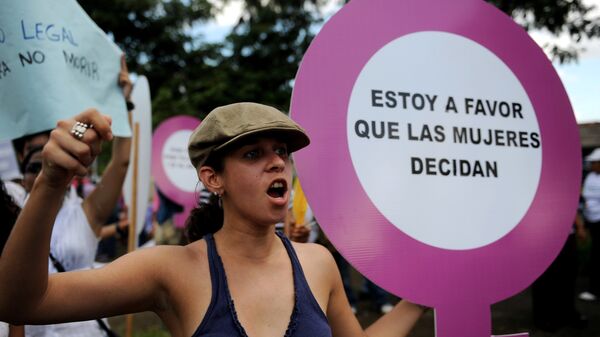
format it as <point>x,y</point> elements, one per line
<point>252,154</point>
<point>282,151</point>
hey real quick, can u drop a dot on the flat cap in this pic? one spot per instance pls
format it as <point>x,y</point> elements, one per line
<point>227,125</point>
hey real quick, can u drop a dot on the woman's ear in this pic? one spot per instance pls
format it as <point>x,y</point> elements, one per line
<point>210,179</point>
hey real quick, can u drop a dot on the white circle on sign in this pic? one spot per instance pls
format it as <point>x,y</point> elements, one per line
<point>447,149</point>
<point>176,162</point>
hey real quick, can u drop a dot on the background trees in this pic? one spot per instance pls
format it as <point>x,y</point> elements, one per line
<point>258,59</point>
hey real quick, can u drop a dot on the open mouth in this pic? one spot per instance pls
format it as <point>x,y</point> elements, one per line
<point>277,189</point>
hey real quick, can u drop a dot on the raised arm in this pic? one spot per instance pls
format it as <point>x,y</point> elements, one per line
<point>99,205</point>
<point>27,293</point>
<point>24,262</point>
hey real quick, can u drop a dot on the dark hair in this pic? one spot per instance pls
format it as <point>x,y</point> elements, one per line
<point>19,143</point>
<point>207,217</point>
<point>28,156</point>
<point>9,212</point>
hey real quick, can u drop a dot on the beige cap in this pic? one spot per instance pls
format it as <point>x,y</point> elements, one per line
<point>228,124</point>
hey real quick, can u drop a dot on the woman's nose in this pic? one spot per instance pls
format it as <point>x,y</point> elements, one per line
<point>276,162</point>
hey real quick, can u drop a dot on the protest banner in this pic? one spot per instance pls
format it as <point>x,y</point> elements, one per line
<point>449,150</point>
<point>172,170</point>
<point>54,63</point>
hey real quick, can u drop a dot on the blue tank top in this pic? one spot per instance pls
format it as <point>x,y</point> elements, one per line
<point>220,320</point>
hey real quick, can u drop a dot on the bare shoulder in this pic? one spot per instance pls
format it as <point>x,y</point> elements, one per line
<point>161,253</point>
<point>313,252</point>
<point>319,270</point>
<point>176,257</point>
<point>166,262</point>
<point>315,259</point>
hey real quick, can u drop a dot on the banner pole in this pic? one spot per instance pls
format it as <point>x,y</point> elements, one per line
<point>131,239</point>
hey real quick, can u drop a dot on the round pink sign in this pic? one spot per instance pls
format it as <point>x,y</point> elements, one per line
<point>171,167</point>
<point>449,150</point>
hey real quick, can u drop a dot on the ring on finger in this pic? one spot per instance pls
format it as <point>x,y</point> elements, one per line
<point>79,129</point>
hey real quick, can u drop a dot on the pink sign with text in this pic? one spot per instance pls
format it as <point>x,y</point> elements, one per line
<point>449,150</point>
<point>173,173</point>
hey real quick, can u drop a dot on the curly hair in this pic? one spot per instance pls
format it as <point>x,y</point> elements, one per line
<point>206,217</point>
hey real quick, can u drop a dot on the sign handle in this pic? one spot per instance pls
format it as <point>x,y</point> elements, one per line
<point>132,238</point>
<point>463,319</point>
<point>466,320</point>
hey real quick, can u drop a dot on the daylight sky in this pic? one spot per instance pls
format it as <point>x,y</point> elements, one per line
<point>581,79</point>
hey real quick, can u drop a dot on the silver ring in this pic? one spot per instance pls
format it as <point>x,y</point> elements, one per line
<point>79,129</point>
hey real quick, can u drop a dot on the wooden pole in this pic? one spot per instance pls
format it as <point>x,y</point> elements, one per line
<point>132,238</point>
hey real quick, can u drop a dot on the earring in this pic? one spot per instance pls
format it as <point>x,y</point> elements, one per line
<point>220,202</point>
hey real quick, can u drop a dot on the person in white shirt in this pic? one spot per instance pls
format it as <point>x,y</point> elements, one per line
<point>591,213</point>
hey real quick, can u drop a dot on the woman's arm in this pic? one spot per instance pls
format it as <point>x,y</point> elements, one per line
<point>27,294</point>
<point>398,322</point>
<point>132,283</point>
<point>24,262</point>
<point>99,205</point>
<point>112,230</point>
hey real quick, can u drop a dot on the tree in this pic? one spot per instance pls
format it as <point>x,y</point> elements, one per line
<point>158,38</point>
<point>558,17</point>
<point>259,58</point>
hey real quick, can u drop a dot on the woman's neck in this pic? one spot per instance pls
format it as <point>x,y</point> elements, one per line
<point>248,242</point>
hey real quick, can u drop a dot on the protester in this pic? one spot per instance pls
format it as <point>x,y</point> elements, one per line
<point>591,212</point>
<point>300,224</point>
<point>242,280</point>
<point>9,211</point>
<point>79,223</point>
<point>553,293</point>
<point>13,184</point>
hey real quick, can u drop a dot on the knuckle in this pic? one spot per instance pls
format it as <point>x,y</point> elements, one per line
<point>54,133</point>
<point>93,135</point>
<point>83,151</point>
<point>71,165</point>
<point>63,124</point>
<point>91,111</point>
<point>46,151</point>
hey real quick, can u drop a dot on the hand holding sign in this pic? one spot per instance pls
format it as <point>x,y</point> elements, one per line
<point>451,149</point>
<point>55,62</point>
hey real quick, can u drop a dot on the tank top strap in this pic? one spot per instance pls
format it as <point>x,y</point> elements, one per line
<point>297,268</point>
<point>217,279</point>
<point>221,319</point>
<point>303,293</point>
<point>217,272</point>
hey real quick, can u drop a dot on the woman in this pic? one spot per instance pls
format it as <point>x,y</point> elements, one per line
<point>244,280</point>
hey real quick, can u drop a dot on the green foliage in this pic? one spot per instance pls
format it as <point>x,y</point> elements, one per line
<point>256,62</point>
<point>159,41</point>
<point>569,17</point>
<point>259,58</point>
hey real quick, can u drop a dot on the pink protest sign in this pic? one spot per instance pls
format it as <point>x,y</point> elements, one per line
<point>173,173</point>
<point>449,150</point>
